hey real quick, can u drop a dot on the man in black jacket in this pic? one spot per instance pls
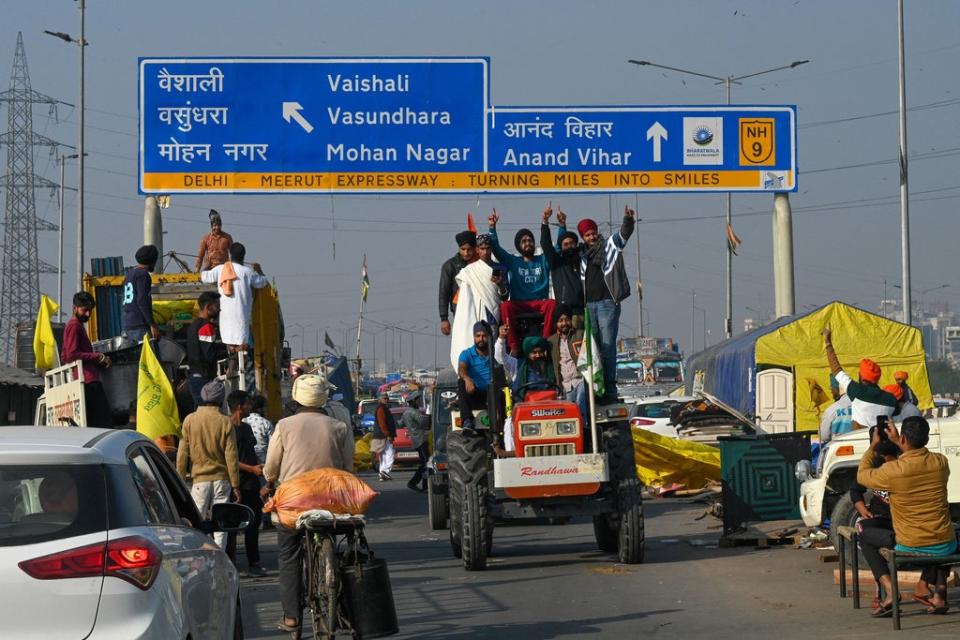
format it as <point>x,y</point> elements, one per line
<point>467,243</point>
<point>203,344</point>
<point>137,300</point>
<point>564,264</point>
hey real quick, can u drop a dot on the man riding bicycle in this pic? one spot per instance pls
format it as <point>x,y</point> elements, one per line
<point>308,440</point>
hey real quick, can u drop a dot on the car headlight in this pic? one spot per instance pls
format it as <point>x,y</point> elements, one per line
<point>530,429</point>
<point>566,428</point>
<point>802,470</point>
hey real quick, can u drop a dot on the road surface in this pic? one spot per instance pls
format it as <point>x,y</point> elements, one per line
<point>551,582</point>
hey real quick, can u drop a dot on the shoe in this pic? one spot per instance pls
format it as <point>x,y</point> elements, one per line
<point>467,427</point>
<point>384,476</point>
<point>414,487</point>
<point>256,571</point>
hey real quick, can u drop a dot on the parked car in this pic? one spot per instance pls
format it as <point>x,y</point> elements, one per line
<point>99,538</point>
<point>653,414</point>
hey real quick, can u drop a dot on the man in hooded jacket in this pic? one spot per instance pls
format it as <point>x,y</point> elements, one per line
<point>529,282</point>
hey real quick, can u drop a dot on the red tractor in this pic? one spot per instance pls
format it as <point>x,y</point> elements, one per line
<point>562,466</point>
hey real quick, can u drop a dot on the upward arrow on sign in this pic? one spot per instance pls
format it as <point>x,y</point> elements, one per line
<point>658,134</point>
<point>292,110</point>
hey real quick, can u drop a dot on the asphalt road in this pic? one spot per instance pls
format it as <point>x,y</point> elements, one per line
<point>551,582</point>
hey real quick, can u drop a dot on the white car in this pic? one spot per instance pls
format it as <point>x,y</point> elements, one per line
<point>653,413</point>
<point>99,538</point>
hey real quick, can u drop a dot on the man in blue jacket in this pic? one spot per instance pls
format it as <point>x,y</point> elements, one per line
<point>529,282</point>
<point>137,300</point>
<point>605,286</point>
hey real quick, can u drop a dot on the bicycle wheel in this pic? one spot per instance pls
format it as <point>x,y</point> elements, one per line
<point>325,588</point>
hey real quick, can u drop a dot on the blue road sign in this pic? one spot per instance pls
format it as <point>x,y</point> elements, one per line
<point>728,148</point>
<point>415,125</point>
<point>266,125</point>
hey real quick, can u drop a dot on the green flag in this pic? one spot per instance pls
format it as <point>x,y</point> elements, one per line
<point>590,356</point>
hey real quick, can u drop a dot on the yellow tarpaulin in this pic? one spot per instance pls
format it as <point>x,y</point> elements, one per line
<point>181,312</point>
<point>662,460</point>
<point>857,334</point>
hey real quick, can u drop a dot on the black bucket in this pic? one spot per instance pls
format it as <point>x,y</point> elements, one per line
<point>368,598</point>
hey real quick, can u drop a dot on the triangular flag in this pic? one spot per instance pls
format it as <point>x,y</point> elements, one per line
<point>365,284</point>
<point>471,225</point>
<point>44,344</point>
<point>589,358</point>
<point>327,340</point>
<point>733,240</point>
<point>157,413</point>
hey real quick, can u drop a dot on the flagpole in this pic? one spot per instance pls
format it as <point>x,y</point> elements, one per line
<point>588,345</point>
<point>363,300</point>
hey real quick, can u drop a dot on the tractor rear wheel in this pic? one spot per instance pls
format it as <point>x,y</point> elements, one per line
<point>455,495</point>
<point>631,536</point>
<point>608,537</point>
<point>476,527</point>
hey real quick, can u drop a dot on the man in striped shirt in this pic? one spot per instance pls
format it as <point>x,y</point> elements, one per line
<point>867,399</point>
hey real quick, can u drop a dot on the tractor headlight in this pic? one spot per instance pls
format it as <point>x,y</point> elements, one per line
<point>566,428</point>
<point>530,429</point>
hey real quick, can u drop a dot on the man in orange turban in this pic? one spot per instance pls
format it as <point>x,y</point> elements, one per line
<point>901,378</point>
<point>867,399</point>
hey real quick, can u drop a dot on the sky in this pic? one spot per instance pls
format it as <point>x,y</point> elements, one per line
<point>846,213</point>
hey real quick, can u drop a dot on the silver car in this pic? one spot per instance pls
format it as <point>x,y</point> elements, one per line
<point>99,538</point>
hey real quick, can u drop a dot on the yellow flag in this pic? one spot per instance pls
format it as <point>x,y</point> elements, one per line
<point>44,344</point>
<point>157,413</point>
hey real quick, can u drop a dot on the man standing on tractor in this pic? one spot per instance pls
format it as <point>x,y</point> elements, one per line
<point>564,264</point>
<point>466,253</point>
<point>137,299</point>
<point>473,371</point>
<point>76,346</point>
<point>529,281</point>
<point>606,285</point>
<point>215,246</point>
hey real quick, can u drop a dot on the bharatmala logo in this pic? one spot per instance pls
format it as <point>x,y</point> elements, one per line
<point>550,471</point>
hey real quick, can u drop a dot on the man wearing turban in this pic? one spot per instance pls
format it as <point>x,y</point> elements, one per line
<point>868,401</point>
<point>529,283</point>
<point>466,253</point>
<point>137,300</point>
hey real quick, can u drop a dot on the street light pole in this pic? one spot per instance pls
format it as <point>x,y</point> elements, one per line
<point>904,190</point>
<point>80,244</point>
<point>728,81</point>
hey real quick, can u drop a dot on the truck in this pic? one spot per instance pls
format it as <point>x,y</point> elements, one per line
<point>564,465</point>
<point>825,488</point>
<point>173,295</point>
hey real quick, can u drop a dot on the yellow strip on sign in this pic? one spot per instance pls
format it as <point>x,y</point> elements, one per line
<point>704,179</point>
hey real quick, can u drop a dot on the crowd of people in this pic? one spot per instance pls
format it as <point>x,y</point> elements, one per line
<point>490,291</point>
<point>908,510</point>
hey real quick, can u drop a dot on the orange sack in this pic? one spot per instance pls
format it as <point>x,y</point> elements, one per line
<point>331,489</point>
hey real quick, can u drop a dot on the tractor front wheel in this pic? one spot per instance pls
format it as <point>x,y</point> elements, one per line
<point>608,537</point>
<point>631,538</point>
<point>476,527</point>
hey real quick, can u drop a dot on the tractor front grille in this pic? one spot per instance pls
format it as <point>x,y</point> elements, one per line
<point>540,450</point>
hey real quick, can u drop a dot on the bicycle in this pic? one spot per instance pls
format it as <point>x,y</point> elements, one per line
<point>323,563</point>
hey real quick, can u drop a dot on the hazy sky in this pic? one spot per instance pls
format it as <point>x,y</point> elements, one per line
<point>846,213</point>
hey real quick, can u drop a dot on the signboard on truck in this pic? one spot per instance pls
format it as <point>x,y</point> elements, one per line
<point>426,125</point>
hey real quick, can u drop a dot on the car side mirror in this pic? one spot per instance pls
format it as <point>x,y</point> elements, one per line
<point>230,517</point>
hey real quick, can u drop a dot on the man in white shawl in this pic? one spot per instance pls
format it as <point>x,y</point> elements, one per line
<point>479,298</point>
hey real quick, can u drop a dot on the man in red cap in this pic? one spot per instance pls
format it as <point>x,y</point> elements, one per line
<point>606,285</point>
<point>868,400</point>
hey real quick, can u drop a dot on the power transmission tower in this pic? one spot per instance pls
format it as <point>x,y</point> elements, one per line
<point>21,265</point>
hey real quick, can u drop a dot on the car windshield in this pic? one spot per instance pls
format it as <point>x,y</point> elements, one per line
<point>631,371</point>
<point>666,370</point>
<point>655,409</point>
<point>40,503</point>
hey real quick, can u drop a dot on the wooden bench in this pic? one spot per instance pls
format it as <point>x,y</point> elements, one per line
<point>898,559</point>
<point>849,538</point>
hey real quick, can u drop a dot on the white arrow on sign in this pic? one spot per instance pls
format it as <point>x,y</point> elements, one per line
<point>658,134</point>
<point>292,110</point>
